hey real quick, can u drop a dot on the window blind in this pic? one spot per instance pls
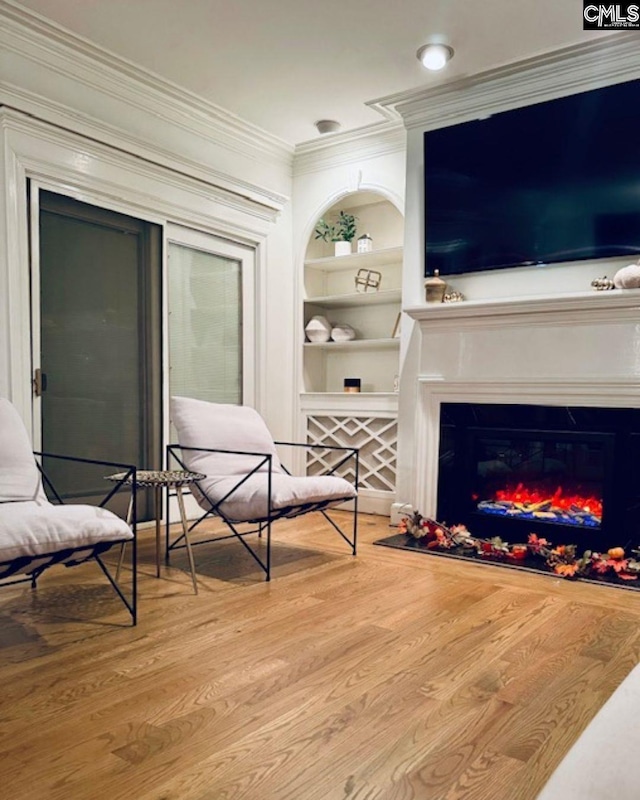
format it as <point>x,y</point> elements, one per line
<point>205,325</point>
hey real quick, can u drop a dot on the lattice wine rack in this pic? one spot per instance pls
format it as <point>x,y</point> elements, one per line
<point>375,436</point>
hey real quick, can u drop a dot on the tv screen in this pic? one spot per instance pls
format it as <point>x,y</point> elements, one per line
<point>556,181</point>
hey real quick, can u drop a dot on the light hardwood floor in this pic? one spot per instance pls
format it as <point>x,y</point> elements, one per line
<point>388,676</point>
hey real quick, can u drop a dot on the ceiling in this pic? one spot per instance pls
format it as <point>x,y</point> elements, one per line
<point>284,64</point>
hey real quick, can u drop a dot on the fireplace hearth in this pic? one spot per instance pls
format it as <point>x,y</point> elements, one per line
<point>560,472</point>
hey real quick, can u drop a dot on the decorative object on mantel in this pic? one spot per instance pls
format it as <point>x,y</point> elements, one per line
<point>342,332</point>
<point>352,385</point>
<point>628,277</point>
<point>368,279</point>
<point>603,284</point>
<point>341,232</point>
<point>365,243</point>
<point>536,554</point>
<point>435,288</point>
<point>318,329</point>
<point>453,297</point>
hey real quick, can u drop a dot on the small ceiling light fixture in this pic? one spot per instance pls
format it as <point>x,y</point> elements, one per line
<point>327,126</point>
<point>434,56</point>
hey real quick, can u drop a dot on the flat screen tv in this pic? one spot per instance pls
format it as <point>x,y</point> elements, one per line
<point>552,182</point>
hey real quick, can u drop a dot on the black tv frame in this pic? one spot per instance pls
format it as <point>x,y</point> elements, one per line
<point>610,115</point>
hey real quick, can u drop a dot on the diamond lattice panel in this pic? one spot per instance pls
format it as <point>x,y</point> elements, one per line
<point>375,436</point>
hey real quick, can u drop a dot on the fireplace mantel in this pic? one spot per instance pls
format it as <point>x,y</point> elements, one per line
<point>573,349</point>
<point>621,305</point>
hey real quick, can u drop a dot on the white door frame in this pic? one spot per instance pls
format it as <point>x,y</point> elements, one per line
<point>68,164</point>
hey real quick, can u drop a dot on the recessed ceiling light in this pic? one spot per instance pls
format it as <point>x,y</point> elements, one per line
<point>327,126</point>
<point>434,56</point>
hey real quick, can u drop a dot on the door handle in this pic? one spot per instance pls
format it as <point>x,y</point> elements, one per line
<point>39,382</point>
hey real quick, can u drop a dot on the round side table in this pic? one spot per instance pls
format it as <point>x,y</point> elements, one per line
<point>159,480</point>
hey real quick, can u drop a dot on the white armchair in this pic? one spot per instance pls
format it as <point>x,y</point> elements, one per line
<point>245,481</point>
<point>36,534</point>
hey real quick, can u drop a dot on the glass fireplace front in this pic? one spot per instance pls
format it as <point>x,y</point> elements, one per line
<point>552,477</point>
<point>560,472</point>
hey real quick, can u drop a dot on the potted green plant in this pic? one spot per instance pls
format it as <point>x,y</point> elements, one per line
<point>341,232</point>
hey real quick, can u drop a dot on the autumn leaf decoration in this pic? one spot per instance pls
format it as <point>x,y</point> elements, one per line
<point>561,559</point>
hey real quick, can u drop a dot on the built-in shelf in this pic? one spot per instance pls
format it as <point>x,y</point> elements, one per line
<point>356,299</point>
<point>355,344</point>
<point>333,402</point>
<point>376,258</point>
<point>366,419</point>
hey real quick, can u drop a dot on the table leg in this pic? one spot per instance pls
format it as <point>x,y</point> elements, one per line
<point>123,546</point>
<point>158,513</point>
<point>185,531</point>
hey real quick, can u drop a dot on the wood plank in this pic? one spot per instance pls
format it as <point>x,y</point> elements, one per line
<point>384,676</point>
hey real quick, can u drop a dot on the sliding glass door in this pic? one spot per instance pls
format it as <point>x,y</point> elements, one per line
<point>112,340</point>
<point>98,380</point>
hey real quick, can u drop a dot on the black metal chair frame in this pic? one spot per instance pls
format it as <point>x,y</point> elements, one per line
<point>263,523</point>
<point>96,550</point>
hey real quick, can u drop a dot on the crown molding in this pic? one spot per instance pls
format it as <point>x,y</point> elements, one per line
<point>54,48</point>
<point>230,210</point>
<point>21,102</point>
<point>370,141</point>
<point>609,59</point>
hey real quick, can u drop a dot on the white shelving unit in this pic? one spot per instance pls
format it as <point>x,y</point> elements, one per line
<point>367,419</point>
<point>373,355</point>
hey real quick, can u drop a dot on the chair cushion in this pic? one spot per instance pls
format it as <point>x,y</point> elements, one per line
<point>249,502</point>
<point>228,427</point>
<point>19,476</point>
<point>35,528</point>
<point>225,427</point>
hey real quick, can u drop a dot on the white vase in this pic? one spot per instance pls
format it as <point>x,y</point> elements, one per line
<point>343,333</point>
<point>342,248</point>
<point>318,329</point>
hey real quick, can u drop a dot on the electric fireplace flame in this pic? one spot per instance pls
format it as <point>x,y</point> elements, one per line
<point>535,503</point>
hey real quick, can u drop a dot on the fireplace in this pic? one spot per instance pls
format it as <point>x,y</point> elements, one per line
<point>558,471</point>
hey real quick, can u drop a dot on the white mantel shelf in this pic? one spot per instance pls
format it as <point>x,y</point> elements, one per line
<point>618,305</point>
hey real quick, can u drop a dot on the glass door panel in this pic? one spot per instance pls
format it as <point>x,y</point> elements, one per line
<point>205,325</point>
<point>100,335</point>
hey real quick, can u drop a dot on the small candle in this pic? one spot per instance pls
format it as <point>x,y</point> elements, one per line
<point>352,384</point>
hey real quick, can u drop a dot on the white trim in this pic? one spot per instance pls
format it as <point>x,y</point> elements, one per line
<point>372,141</point>
<point>36,322</point>
<point>91,172</point>
<point>382,404</point>
<point>609,59</point>
<point>83,161</point>
<point>432,392</point>
<point>371,501</point>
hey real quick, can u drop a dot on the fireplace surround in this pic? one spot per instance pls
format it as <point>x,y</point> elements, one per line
<point>572,357</point>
